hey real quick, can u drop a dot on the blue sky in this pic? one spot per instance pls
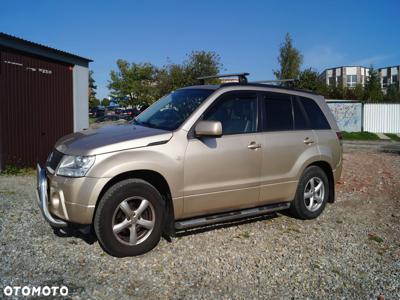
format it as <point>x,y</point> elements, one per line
<point>246,34</point>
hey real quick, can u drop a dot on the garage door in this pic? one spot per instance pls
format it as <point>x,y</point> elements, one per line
<point>36,106</point>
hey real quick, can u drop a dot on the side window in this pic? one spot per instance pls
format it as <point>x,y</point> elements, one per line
<point>315,115</point>
<point>300,118</point>
<point>278,113</point>
<point>237,113</point>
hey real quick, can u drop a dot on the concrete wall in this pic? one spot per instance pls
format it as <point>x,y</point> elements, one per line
<point>348,115</point>
<point>373,117</point>
<point>81,97</point>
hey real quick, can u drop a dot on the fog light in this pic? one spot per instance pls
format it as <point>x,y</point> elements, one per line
<point>55,201</point>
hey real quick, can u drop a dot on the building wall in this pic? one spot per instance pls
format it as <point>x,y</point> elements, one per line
<point>388,76</point>
<point>36,106</point>
<point>81,97</point>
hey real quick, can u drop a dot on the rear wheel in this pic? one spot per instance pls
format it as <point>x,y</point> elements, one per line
<point>311,195</point>
<point>129,218</point>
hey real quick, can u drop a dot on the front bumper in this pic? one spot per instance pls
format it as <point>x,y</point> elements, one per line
<point>66,200</point>
<point>42,197</point>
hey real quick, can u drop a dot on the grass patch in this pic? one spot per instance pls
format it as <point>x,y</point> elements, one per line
<point>13,170</point>
<point>374,237</point>
<point>291,229</point>
<point>244,235</point>
<point>393,136</point>
<point>360,136</point>
<point>160,269</point>
<point>336,271</point>
<point>92,120</point>
<point>7,192</point>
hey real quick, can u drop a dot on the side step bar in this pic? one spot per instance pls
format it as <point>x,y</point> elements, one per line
<point>230,216</point>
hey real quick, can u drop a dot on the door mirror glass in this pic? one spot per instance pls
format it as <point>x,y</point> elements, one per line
<point>208,128</point>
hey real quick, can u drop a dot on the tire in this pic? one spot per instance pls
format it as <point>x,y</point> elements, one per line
<point>309,205</point>
<point>129,218</point>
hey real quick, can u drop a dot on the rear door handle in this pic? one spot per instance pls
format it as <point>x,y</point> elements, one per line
<point>253,146</point>
<point>308,141</point>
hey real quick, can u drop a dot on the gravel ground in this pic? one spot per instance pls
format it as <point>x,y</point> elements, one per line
<point>352,251</point>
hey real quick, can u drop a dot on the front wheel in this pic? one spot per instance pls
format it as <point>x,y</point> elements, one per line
<point>311,195</point>
<point>129,218</point>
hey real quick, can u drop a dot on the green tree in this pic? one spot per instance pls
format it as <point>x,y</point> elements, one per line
<point>201,63</point>
<point>392,93</point>
<point>198,63</point>
<point>310,80</point>
<point>93,101</point>
<point>373,91</point>
<point>133,83</point>
<point>290,60</point>
<point>336,91</point>
<point>358,92</point>
<point>169,78</point>
<point>105,102</point>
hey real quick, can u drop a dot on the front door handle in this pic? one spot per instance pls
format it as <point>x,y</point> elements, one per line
<point>308,141</point>
<point>253,146</point>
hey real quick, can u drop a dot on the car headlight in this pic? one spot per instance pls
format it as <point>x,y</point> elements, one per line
<point>75,166</point>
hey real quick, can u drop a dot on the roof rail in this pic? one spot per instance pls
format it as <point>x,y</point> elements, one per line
<point>241,77</point>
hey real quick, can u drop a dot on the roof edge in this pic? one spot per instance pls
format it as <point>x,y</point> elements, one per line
<point>17,43</point>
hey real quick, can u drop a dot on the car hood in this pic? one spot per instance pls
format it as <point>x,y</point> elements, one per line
<point>110,138</point>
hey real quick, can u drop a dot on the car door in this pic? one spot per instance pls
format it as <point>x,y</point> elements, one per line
<point>287,141</point>
<point>223,173</point>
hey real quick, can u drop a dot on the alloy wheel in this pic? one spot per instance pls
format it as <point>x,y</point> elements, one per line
<point>314,194</point>
<point>133,220</point>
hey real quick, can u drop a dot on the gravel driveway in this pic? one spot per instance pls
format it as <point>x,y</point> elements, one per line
<point>351,251</point>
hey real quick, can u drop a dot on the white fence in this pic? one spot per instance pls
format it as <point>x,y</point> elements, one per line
<point>382,118</point>
<point>357,116</point>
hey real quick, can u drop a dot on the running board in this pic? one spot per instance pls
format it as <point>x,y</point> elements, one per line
<point>230,216</point>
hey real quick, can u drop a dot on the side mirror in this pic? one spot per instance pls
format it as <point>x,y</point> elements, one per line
<point>208,128</point>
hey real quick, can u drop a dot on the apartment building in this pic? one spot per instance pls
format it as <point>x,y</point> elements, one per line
<point>389,76</point>
<point>348,76</point>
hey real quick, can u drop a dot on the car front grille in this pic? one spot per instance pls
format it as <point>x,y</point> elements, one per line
<point>53,160</point>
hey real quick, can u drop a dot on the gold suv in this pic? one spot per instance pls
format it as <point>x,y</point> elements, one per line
<point>201,155</point>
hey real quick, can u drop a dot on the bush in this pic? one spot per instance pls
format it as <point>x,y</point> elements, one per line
<point>14,170</point>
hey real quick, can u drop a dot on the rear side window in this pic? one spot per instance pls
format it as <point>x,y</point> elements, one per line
<point>300,117</point>
<point>278,114</point>
<point>315,115</point>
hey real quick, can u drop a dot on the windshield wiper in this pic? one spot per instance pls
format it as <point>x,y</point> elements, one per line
<point>144,124</point>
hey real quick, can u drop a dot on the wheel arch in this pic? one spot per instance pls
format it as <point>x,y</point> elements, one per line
<point>326,167</point>
<point>155,179</point>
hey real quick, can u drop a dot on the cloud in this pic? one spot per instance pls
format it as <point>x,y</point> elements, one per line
<point>320,57</point>
<point>373,60</point>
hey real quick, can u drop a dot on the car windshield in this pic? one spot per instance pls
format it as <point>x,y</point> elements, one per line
<point>172,110</point>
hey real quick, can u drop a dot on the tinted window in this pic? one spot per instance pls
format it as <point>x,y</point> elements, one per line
<point>315,115</point>
<point>300,118</point>
<point>278,112</point>
<point>237,113</point>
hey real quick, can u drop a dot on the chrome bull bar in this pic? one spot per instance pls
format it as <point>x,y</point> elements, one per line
<point>41,193</point>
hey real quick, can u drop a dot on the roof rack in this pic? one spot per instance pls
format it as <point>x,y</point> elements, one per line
<point>291,81</point>
<point>241,77</point>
